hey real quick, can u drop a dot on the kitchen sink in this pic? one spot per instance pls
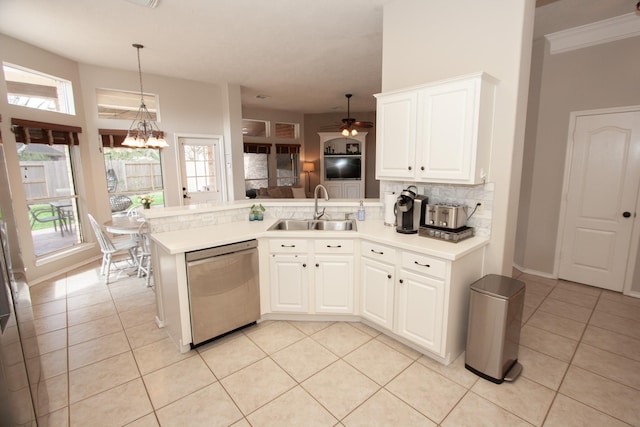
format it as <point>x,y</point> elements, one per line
<point>313,224</point>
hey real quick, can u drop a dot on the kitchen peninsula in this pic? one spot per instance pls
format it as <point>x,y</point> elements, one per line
<point>412,288</point>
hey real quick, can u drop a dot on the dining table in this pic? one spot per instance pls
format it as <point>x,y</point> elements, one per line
<point>124,224</point>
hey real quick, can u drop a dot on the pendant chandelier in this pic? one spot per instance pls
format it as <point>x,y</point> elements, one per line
<point>144,132</point>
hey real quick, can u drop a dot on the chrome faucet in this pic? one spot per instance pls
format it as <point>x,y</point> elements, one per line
<point>317,214</point>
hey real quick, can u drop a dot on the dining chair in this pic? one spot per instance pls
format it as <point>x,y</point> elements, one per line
<point>111,248</point>
<point>144,252</point>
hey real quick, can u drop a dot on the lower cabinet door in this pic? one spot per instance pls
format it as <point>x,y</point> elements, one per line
<point>333,284</point>
<point>420,310</point>
<point>289,283</point>
<point>376,292</point>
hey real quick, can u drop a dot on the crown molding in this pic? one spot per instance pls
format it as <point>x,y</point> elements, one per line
<point>605,31</point>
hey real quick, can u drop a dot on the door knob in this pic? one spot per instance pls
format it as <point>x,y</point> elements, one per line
<point>626,214</point>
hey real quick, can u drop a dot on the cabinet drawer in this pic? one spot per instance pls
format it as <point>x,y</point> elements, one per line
<point>333,246</point>
<point>378,252</point>
<point>424,264</point>
<point>288,245</point>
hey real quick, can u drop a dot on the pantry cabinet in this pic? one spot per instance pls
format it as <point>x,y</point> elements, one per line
<point>439,132</point>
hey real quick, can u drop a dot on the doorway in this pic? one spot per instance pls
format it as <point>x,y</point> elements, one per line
<point>202,169</point>
<point>600,195</point>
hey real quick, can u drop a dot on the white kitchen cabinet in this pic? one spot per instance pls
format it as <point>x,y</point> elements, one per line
<point>442,132</point>
<point>345,189</point>
<point>377,291</point>
<point>312,276</point>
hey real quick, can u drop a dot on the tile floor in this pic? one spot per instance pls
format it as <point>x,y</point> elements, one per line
<point>104,363</point>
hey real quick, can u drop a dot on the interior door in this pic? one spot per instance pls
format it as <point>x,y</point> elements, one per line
<point>602,191</point>
<point>202,169</point>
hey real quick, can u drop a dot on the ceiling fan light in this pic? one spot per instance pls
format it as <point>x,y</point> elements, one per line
<point>354,132</point>
<point>345,132</point>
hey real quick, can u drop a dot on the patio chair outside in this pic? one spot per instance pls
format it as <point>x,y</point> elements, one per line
<point>44,216</point>
<point>111,248</point>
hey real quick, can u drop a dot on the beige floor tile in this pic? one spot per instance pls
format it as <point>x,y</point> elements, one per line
<point>543,369</point>
<point>616,324</point>
<point>341,338</point>
<point>455,371</point>
<point>602,394</point>
<point>59,418</point>
<point>619,309</point>
<point>618,297</point>
<point>566,412</point>
<point>527,312</point>
<point>616,343</point>
<point>304,358</point>
<point>231,354</point>
<point>340,388</point>
<point>567,310</point>
<point>556,324</point>
<point>146,421</point>
<point>87,300</point>
<point>133,318</point>
<point>45,343</point>
<point>135,301</point>
<point>526,277</point>
<point>159,354</point>
<point>210,406</point>
<point>293,408</point>
<point>396,345</point>
<point>46,292</point>
<point>275,336</point>
<point>44,325</point>
<point>121,291</point>
<point>378,361</point>
<point>175,381</point>
<point>523,397</point>
<point>384,409</point>
<point>533,300</point>
<point>86,314</point>
<point>365,328</point>
<point>257,384</point>
<point>548,343</point>
<point>310,328</point>
<point>609,365</point>
<point>242,423</point>
<point>97,349</point>
<point>47,365</point>
<point>474,411</point>
<point>145,333</point>
<point>51,395</point>
<point>94,329</point>
<point>427,391</point>
<point>117,406</point>
<point>101,376</point>
<point>578,287</point>
<point>49,308</point>
<point>532,286</point>
<point>574,297</point>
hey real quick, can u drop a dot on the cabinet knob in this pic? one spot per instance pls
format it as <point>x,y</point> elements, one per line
<point>401,281</point>
<point>421,168</point>
<point>317,265</point>
<point>410,168</point>
<point>388,276</point>
<point>626,214</point>
<point>304,265</point>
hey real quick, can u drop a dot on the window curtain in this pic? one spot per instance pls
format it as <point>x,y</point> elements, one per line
<point>31,132</point>
<point>258,148</point>
<point>288,148</point>
<point>113,138</point>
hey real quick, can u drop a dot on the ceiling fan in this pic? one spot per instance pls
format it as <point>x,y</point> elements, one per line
<point>349,123</point>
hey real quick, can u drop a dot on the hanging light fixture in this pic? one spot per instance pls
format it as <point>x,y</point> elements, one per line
<point>144,132</point>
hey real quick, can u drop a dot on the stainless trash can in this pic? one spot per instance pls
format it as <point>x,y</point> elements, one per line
<point>493,336</point>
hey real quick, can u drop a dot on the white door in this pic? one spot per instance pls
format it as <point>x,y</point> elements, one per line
<point>601,194</point>
<point>334,284</point>
<point>289,283</point>
<point>202,169</point>
<point>376,292</point>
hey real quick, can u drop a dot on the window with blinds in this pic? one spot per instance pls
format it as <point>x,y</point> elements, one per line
<point>33,89</point>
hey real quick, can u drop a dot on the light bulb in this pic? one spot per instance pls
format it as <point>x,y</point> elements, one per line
<point>354,132</point>
<point>345,132</point>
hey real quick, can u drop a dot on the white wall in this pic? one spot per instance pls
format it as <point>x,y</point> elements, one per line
<point>426,41</point>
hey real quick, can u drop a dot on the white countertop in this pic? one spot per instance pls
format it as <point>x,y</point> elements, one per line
<point>176,242</point>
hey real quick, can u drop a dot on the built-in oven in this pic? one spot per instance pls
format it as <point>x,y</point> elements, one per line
<point>224,291</point>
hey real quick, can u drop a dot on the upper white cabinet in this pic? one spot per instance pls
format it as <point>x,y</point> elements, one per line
<point>439,132</point>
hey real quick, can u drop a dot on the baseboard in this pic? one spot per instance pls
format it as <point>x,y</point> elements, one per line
<point>534,272</point>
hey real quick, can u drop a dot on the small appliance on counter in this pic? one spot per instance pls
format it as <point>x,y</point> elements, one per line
<point>446,222</point>
<point>410,210</point>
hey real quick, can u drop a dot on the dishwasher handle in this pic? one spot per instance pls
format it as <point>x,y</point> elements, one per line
<point>220,250</point>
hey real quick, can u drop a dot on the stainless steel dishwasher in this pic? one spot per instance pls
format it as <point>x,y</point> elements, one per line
<point>224,292</point>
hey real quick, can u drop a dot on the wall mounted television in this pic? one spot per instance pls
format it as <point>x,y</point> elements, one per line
<point>337,167</point>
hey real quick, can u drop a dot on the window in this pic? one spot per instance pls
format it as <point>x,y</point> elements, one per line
<point>287,164</point>
<point>130,172</point>
<point>256,166</point>
<point>46,154</point>
<point>122,105</point>
<point>32,89</point>
<point>259,128</point>
<point>287,130</point>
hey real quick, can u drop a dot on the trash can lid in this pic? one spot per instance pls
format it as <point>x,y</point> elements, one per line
<point>498,286</point>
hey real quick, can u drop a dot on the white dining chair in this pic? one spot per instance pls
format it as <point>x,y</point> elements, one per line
<point>111,248</point>
<point>144,252</point>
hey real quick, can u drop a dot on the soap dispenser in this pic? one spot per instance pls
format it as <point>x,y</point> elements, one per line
<point>361,211</point>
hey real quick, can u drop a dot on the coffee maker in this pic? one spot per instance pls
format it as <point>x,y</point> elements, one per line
<point>410,210</point>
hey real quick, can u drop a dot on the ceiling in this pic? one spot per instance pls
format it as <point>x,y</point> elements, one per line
<point>296,55</point>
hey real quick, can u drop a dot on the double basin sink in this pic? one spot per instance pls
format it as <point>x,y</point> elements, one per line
<point>314,224</point>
